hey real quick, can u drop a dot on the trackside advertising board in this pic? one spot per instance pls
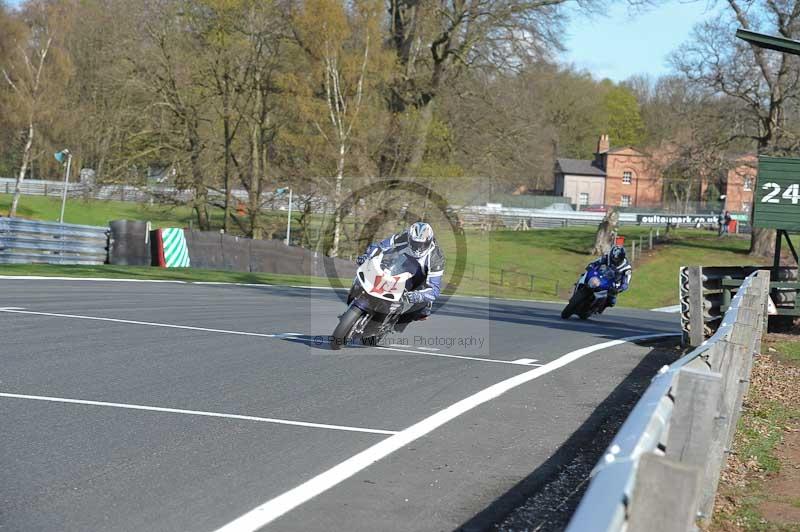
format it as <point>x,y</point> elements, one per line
<point>676,219</point>
<point>777,201</point>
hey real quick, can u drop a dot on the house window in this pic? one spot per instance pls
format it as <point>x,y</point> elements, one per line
<point>748,183</point>
<point>626,201</point>
<point>584,198</point>
<point>627,177</point>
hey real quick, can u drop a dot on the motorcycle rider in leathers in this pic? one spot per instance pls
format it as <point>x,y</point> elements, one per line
<point>421,244</point>
<point>617,261</point>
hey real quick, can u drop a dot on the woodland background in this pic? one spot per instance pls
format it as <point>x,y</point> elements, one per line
<point>330,96</point>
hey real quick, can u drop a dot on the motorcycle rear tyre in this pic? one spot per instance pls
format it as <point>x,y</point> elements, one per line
<point>346,324</point>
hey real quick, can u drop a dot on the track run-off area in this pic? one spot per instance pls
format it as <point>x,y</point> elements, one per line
<point>188,406</point>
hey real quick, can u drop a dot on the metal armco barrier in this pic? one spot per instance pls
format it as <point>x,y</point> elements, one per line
<point>661,471</point>
<point>26,242</point>
<point>705,295</point>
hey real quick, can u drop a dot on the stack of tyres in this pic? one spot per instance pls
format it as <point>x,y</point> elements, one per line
<point>129,244</point>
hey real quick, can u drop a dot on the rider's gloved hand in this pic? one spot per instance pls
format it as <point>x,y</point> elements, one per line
<point>414,297</point>
<point>361,259</point>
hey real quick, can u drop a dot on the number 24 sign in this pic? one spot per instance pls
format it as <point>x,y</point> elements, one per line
<point>773,195</point>
<point>777,196</point>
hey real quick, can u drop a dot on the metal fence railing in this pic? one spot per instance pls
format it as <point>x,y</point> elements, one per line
<point>30,242</point>
<point>661,471</point>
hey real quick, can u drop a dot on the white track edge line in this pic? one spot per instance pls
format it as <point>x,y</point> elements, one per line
<point>401,349</point>
<point>135,322</point>
<point>196,413</point>
<point>282,504</point>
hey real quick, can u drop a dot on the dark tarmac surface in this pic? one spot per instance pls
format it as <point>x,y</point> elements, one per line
<point>159,453</point>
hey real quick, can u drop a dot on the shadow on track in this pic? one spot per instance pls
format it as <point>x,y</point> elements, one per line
<point>616,323</point>
<point>569,467</point>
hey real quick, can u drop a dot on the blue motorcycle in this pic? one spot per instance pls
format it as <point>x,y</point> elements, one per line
<point>591,292</point>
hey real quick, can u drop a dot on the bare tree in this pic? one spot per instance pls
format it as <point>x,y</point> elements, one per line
<point>342,45</point>
<point>764,83</point>
<point>435,42</point>
<point>30,68</point>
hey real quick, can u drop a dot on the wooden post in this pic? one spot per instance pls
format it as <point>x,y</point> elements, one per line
<point>651,238</point>
<point>696,403</point>
<point>727,359</point>
<point>665,495</point>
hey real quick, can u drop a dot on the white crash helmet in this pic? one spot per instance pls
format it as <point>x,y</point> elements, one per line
<point>420,239</point>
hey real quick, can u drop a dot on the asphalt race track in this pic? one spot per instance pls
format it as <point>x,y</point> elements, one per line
<point>188,406</point>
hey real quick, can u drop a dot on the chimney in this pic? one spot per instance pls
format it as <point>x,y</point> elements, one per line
<point>603,144</point>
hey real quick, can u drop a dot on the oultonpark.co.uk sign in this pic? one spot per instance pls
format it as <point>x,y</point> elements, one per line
<point>676,219</point>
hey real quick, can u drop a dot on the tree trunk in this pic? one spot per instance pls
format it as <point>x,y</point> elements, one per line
<point>227,172</point>
<point>255,176</point>
<point>762,242</point>
<point>603,240</point>
<point>423,125</point>
<point>26,157</point>
<point>200,196</point>
<point>337,198</point>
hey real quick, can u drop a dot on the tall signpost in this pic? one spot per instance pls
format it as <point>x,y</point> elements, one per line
<point>777,197</point>
<point>60,157</point>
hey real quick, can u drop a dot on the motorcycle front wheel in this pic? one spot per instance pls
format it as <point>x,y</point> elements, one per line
<point>574,302</point>
<point>344,331</point>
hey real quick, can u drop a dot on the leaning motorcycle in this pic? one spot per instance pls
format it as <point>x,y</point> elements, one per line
<point>375,302</point>
<point>591,292</point>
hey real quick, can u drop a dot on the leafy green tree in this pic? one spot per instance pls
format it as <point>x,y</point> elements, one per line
<point>623,119</point>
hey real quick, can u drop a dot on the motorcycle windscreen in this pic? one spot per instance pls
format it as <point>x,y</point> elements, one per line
<point>606,276</point>
<point>399,263</point>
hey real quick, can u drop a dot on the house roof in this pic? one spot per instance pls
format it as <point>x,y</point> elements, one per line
<point>628,149</point>
<point>579,167</point>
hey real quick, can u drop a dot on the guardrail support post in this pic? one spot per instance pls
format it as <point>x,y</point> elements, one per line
<point>665,495</point>
<point>729,360</point>
<point>696,399</point>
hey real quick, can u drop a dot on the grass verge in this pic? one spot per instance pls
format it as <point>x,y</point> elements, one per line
<point>760,486</point>
<point>538,264</point>
<point>173,274</point>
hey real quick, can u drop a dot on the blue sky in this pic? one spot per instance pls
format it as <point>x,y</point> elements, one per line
<point>630,42</point>
<point>627,42</point>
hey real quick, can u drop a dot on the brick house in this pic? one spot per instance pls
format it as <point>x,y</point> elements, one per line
<point>740,183</point>
<point>620,177</point>
<point>628,177</point>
